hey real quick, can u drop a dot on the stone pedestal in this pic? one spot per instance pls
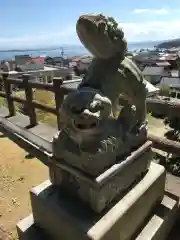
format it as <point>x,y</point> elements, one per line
<point>159,224</point>
<point>99,191</point>
<point>138,213</point>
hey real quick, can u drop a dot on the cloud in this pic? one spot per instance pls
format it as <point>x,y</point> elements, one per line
<point>139,11</point>
<point>161,11</point>
<point>151,30</point>
<point>40,39</point>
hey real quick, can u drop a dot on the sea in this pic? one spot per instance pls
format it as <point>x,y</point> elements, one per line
<point>68,50</point>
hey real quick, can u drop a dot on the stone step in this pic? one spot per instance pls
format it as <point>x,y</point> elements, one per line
<point>65,218</point>
<point>160,223</point>
<point>27,230</point>
<point>157,228</point>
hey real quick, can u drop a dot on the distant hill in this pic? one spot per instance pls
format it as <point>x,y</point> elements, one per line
<point>169,43</point>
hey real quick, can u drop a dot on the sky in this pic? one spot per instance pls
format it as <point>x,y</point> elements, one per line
<point>45,23</point>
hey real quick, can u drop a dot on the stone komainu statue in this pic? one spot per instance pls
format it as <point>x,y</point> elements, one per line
<point>91,130</point>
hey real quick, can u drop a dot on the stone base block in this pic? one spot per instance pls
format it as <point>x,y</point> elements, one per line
<point>157,227</point>
<point>63,217</point>
<point>113,182</point>
<point>160,223</point>
<point>27,230</point>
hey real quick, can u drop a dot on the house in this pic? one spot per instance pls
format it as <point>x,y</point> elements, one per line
<point>30,66</point>
<point>10,64</point>
<point>174,73</point>
<point>22,59</point>
<point>173,59</point>
<point>146,58</point>
<point>152,58</point>
<point>38,60</point>
<point>26,63</point>
<point>58,60</point>
<point>49,60</point>
<point>173,83</point>
<point>81,64</point>
<point>153,74</point>
<point>164,64</point>
<point>173,50</point>
<point>84,63</point>
<point>152,90</point>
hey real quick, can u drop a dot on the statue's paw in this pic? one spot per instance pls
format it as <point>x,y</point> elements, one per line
<point>95,106</point>
<point>109,145</point>
<point>113,142</point>
<point>103,146</point>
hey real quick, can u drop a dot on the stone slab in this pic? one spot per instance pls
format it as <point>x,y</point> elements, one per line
<point>20,120</point>
<point>172,184</point>
<point>162,220</point>
<point>64,217</point>
<point>27,229</point>
<point>122,176</point>
<point>4,112</point>
<point>45,131</point>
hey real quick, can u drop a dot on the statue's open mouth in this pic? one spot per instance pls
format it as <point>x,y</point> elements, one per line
<point>86,125</point>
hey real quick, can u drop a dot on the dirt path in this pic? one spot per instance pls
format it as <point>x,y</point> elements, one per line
<point>18,174</point>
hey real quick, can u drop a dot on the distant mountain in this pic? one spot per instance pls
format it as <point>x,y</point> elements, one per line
<point>64,46</point>
<point>169,43</point>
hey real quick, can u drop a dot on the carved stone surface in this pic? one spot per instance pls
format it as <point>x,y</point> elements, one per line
<point>94,163</point>
<point>111,72</point>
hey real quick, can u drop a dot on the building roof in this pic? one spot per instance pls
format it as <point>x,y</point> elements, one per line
<point>152,90</point>
<point>85,60</point>
<point>163,64</point>
<point>154,71</point>
<point>170,81</point>
<point>156,57</point>
<point>58,58</point>
<point>84,57</point>
<point>38,59</point>
<point>175,73</point>
<point>75,58</point>
<point>22,59</point>
<point>171,57</point>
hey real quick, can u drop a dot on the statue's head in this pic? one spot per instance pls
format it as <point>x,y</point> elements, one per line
<point>101,36</point>
<point>83,111</point>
